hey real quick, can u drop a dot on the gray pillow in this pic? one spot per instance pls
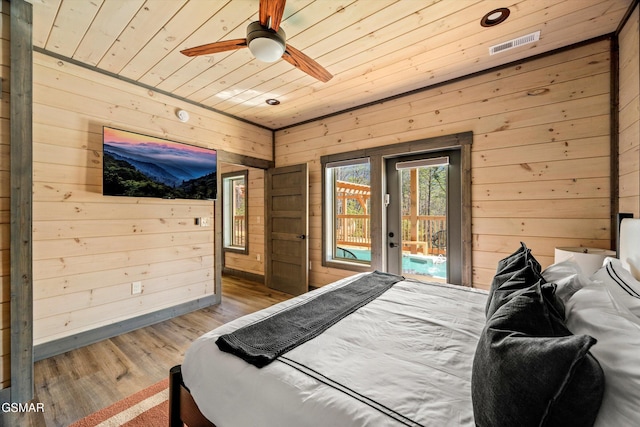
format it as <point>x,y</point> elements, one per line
<point>517,271</point>
<point>529,370</point>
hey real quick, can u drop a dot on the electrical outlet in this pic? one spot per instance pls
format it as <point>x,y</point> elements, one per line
<point>205,221</point>
<point>136,288</point>
<point>257,257</point>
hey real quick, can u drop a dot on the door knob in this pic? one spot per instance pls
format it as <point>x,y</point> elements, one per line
<point>301,236</point>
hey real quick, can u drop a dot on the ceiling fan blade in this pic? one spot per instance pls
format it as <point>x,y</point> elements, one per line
<point>298,59</point>
<point>271,12</point>
<point>216,47</point>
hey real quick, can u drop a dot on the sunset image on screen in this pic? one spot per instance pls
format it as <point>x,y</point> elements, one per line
<point>137,165</point>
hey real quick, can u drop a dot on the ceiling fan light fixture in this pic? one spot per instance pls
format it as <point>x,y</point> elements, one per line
<point>265,44</point>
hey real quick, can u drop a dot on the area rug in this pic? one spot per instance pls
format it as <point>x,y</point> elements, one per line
<point>149,407</point>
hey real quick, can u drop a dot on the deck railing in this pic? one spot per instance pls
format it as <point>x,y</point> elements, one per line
<point>426,234</point>
<point>238,235</point>
<point>353,230</point>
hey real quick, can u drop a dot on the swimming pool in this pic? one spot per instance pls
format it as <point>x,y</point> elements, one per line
<point>424,265</point>
<point>434,266</point>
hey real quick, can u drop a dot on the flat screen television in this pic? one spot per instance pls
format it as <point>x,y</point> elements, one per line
<point>137,165</point>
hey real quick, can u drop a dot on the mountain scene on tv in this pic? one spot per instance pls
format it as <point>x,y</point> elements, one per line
<point>142,166</point>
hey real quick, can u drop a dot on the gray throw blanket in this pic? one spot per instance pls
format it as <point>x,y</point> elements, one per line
<point>261,342</point>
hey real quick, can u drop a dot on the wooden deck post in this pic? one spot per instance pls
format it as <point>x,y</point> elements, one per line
<point>413,211</point>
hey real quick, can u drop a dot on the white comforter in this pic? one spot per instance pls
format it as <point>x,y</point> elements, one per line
<point>403,359</point>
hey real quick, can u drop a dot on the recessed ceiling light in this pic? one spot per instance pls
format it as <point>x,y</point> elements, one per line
<point>272,101</point>
<point>495,17</point>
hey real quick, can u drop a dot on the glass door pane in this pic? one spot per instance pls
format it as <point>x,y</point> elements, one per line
<point>423,216</point>
<point>423,239</point>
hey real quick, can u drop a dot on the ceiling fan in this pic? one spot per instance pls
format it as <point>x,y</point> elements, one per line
<point>267,42</point>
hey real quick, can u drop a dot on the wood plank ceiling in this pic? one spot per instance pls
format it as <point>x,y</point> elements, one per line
<point>375,49</point>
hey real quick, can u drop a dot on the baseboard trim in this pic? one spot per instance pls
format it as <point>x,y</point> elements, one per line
<point>226,271</point>
<point>59,346</point>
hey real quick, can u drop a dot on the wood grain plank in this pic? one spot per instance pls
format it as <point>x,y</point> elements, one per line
<point>110,21</point>
<point>548,190</point>
<point>630,183</point>
<point>629,118</point>
<point>45,15</point>
<point>562,208</point>
<point>544,171</point>
<point>591,228</point>
<point>81,320</point>
<point>66,250</point>
<point>71,23</point>
<point>147,21</point>
<point>72,265</point>
<point>170,38</point>
<point>72,302</point>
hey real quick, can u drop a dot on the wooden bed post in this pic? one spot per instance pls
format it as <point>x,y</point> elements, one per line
<point>182,408</point>
<point>175,381</point>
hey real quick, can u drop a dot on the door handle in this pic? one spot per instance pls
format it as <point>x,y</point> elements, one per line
<point>301,236</point>
<point>392,245</point>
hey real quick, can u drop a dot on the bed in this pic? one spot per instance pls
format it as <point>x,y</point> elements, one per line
<point>432,354</point>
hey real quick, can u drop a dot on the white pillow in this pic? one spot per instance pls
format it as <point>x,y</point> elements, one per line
<point>567,276</point>
<point>628,252</point>
<point>620,283</point>
<point>595,311</point>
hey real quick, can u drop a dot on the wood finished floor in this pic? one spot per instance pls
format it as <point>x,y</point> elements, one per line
<point>77,383</point>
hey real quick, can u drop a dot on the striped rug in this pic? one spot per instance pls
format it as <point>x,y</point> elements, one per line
<point>149,407</point>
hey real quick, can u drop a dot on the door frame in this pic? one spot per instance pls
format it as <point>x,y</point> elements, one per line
<point>377,156</point>
<point>454,210</point>
<point>218,244</point>
<point>301,235</point>
<point>21,350</point>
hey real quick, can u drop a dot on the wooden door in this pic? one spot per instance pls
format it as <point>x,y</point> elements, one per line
<point>287,252</point>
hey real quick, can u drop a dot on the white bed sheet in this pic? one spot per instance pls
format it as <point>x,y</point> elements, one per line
<point>403,359</point>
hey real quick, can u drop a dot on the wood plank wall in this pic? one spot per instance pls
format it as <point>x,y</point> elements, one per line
<point>540,155</point>
<point>5,137</point>
<point>629,110</point>
<point>253,262</point>
<point>88,248</point>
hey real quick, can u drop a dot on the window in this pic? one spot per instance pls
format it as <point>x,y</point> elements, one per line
<point>234,214</point>
<point>348,197</point>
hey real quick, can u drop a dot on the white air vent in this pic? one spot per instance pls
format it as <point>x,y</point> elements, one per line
<point>520,41</point>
